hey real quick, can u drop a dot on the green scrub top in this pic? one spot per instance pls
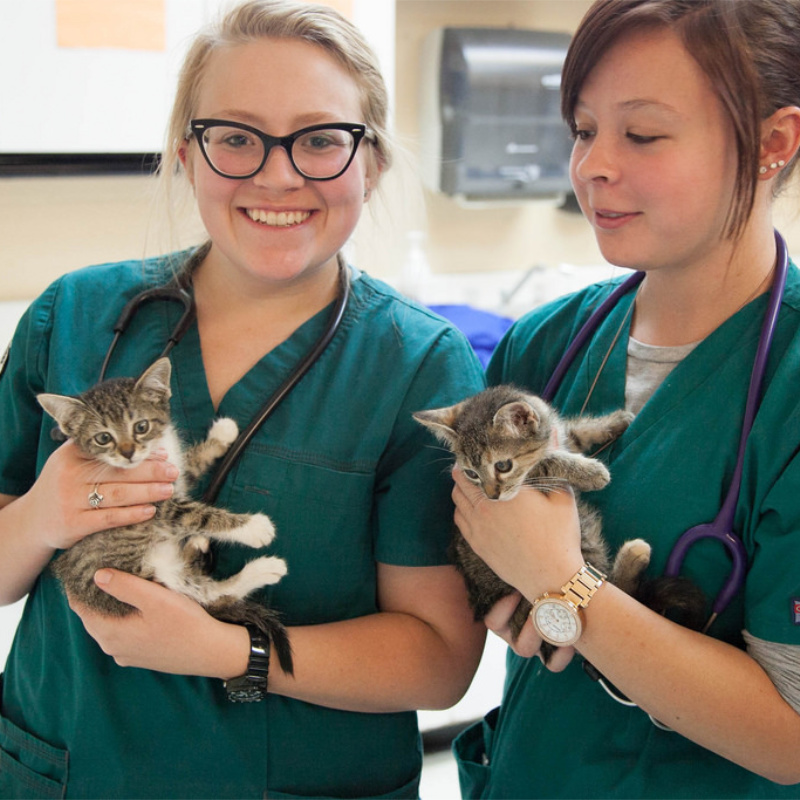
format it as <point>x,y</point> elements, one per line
<point>561,735</point>
<point>341,468</point>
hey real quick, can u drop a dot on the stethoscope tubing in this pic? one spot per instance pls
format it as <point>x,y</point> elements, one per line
<point>172,292</point>
<point>297,374</point>
<point>586,331</point>
<point>722,526</point>
<point>175,292</point>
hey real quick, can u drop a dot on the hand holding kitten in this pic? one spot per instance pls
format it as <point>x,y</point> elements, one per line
<point>61,514</point>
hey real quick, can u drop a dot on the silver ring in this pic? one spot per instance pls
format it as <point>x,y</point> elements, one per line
<point>95,498</point>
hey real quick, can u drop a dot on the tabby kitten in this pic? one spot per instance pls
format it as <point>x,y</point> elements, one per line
<point>121,422</point>
<point>503,439</point>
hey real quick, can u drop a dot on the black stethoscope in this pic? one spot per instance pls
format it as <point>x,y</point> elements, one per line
<point>176,292</point>
<point>721,529</point>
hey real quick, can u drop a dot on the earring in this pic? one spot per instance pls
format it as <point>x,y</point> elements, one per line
<point>781,163</point>
<point>762,170</point>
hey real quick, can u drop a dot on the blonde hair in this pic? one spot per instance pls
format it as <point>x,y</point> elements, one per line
<point>253,20</point>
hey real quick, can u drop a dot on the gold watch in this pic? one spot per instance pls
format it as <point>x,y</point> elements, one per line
<point>558,618</point>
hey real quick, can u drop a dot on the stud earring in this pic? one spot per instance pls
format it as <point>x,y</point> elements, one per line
<point>781,163</point>
<point>762,170</point>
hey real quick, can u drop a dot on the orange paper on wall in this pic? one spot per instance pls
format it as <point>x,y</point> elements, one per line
<point>121,24</point>
<point>344,7</point>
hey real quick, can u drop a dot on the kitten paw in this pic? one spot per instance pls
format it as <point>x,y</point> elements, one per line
<point>594,476</point>
<point>619,422</point>
<point>631,561</point>
<point>635,550</point>
<point>198,543</point>
<point>258,531</point>
<point>266,570</point>
<point>224,430</point>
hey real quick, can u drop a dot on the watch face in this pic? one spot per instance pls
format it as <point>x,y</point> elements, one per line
<point>557,622</point>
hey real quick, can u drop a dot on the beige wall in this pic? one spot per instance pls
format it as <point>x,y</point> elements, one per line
<point>499,236</point>
<point>51,225</point>
<point>503,236</point>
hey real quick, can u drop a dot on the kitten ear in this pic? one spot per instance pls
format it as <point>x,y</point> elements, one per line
<point>440,421</point>
<point>516,418</point>
<point>68,412</point>
<point>155,381</point>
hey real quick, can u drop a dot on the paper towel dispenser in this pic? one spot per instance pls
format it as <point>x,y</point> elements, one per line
<point>491,124</point>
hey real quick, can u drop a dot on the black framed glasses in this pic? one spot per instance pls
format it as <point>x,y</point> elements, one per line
<point>319,152</point>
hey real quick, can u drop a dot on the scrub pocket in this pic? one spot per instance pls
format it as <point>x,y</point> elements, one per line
<point>29,767</point>
<point>410,791</point>
<point>471,749</point>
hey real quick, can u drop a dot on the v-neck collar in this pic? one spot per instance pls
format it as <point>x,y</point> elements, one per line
<point>192,399</point>
<point>709,357</point>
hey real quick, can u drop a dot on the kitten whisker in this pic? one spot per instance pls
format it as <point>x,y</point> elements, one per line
<point>116,422</point>
<point>546,485</point>
<point>439,447</point>
<point>501,437</point>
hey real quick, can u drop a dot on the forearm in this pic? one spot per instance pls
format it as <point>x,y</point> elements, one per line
<point>380,663</point>
<point>420,652</point>
<point>712,693</point>
<point>22,555</point>
<point>383,662</point>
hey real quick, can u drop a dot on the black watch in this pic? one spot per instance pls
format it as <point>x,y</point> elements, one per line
<point>252,686</point>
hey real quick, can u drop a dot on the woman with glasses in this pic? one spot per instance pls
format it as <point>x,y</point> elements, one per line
<point>279,127</point>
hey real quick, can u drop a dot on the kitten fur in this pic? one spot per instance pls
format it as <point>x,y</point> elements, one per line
<point>121,422</point>
<point>504,439</point>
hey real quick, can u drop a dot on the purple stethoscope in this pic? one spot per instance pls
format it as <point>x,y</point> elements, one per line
<point>721,528</point>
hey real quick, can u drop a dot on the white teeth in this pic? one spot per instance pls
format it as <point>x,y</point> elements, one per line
<point>280,219</point>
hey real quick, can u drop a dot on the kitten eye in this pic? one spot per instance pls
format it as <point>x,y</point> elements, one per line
<point>472,475</point>
<point>141,427</point>
<point>503,466</point>
<point>103,438</point>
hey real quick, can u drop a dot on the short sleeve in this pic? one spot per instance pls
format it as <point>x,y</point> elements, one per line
<point>21,380</point>
<point>772,593</point>
<point>413,507</point>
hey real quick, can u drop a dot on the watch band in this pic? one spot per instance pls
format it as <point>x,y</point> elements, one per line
<point>252,686</point>
<point>583,585</point>
<point>558,618</point>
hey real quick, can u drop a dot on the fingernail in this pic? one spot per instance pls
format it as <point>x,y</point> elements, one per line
<point>102,577</point>
<point>166,490</point>
<point>172,472</point>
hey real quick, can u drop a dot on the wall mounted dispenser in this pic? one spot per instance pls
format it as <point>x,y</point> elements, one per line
<point>490,122</point>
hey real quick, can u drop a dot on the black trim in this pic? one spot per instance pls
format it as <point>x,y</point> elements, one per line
<point>50,164</point>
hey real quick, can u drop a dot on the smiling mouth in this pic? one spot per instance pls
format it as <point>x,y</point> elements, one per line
<point>277,219</point>
<point>612,220</point>
<point>613,214</point>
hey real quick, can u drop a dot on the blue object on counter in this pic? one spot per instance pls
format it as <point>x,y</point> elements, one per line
<point>484,329</point>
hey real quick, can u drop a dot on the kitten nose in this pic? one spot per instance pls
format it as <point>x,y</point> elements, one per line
<point>493,493</point>
<point>127,450</point>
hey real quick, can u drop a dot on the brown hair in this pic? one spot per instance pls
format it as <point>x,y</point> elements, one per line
<point>749,49</point>
<point>281,19</point>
